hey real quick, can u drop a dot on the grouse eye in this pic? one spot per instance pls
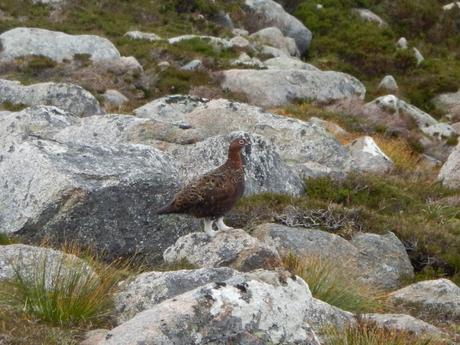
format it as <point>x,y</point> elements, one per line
<point>241,142</point>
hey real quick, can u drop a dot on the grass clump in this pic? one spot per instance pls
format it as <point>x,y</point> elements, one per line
<point>370,334</point>
<point>334,284</point>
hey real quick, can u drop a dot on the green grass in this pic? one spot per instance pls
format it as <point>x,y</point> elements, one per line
<point>334,284</point>
<point>413,207</point>
<point>5,239</point>
<point>370,334</point>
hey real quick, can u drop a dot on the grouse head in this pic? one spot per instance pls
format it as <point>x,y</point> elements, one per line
<point>234,150</point>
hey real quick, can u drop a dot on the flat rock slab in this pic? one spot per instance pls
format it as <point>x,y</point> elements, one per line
<point>286,86</point>
<point>233,248</point>
<point>57,46</point>
<point>68,97</point>
<point>437,300</point>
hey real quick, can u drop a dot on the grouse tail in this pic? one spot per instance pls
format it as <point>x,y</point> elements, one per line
<point>168,209</point>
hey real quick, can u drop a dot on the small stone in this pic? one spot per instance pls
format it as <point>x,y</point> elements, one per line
<point>138,35</point>
<point>418,56</point>
<point>389,83</point>
<point>193,65</point>
<point>402,43</point>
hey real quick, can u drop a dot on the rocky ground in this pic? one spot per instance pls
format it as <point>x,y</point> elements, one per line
<point>349,230</point>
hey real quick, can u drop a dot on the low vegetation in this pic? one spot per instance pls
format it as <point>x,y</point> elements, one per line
<point>369,334</point>
<point>334,284</point>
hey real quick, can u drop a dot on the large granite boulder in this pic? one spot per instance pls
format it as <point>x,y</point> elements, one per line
<point>286,86</point>
<point>55,45</point>
<point>101,196</point>
<point>265,13</point>
<point>437,300</point>
<point>377,260</point>
<point>230,248</point>
<point>264,169</point>
<point>68,97</point>
<point>256,309</point>
<point>368,157</point>
<point>285,62</point>
<point>449,103</point>
<point>298,142</point>
<point>450,171</point>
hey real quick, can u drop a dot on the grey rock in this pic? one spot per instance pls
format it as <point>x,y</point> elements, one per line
<point>241,311</point>
<point>450,171</point>
<point>284,63</point>
<point>404,323</point>
<point>272,51</point>
<point>55,45</point>
<point>265,171</point>
<point>273,36</point>
<point>240,42</point>
<point>217,42</point>
<point>193,65</point>
<point>90,193</point>
<point>389,83</point>
<point>232,248</point>
<point>240,32</point>
<point>114,99</point>
<point>418,56</point>
<point>170,108</point>
<point>378,260</point>
<point>448,102</point>
<point>49,2</point>
<point>151,288</point>
<point>368,157</point>
<point>123,65</point>
<point>369,16</point>
<point>138,35</point>
<point>31,262</point>
<point>290,85</point>
<point>451,5</point>
<point>245,60</point>
<point>163,65</point>
<point>69,97</point>
<point>296,141</point>
<point>455,126</point>
<point>402,43</point>
<point>382,260</point>
<point>267,13</point>
<point>429,300</point>
<point>440,131</point>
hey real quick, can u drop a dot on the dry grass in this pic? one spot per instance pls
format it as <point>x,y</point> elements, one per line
<point>370,334</point>
<point>335,284</point>
<point>400,152</point>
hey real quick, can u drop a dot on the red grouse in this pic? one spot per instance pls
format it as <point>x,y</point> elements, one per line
<point>213,194</point>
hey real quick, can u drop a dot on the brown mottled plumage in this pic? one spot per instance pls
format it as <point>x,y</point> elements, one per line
<point>215,193</point>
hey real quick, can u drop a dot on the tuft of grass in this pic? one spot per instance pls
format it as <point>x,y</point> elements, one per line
<point>64,293</point>
<point>12,106</point>
<point>334,284</point>
<point>5,239</point>
<point>400,151</point>
<point>370,334</point>
<point>182,264</point>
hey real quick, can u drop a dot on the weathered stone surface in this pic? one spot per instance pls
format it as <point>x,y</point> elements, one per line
<point>114,99</point>
<point>394,104</point>
<point>429,300</point>
<point>239,311</point>
<point>389,83</point>
<point>101,196</point>
<point>264,170</point>
<point>418,56</point>
<point>290,85</point>
<point>449,102</point>
<point>451,6</point>
<point>151,288</point>
<point>405,323</point>
<point>270,51</point>
<point>265,13</point>
<point>285,63</point>
<point>170,108</point>
<point>240,42</point>
<point>368,157</point>
<point>297,141</point>
<point>273,36</point>
<point>382,260</point>
<point>217,42</point>
<point>68,97</point>
<point>138,35</point>
<point>31,262</point>
<point>193,65</point>
<point>94,336</point>
<point>378,260</point>
<point>233,248</point>
<point>245,60</point>
<point>450,171</point>
<point>402,43</point>
<point>369,16</point>
<point>55,45</point>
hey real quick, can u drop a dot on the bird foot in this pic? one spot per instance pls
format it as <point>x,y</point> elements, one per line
<point>222,226</point>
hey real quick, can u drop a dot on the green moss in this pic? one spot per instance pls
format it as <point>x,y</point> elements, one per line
<point>12,106</point>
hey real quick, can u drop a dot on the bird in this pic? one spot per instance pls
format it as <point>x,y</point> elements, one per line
<point>213,194</point>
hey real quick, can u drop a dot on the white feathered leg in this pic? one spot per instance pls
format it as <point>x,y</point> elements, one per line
<point>208,227</point>
<point>221,225</point>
